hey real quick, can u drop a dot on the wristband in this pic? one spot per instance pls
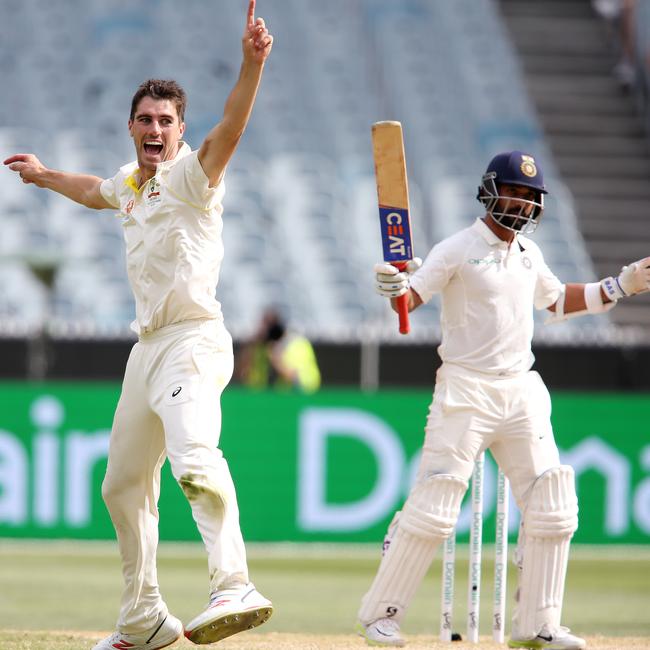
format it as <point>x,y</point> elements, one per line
<point>612,288</point>
<point>594,299</point>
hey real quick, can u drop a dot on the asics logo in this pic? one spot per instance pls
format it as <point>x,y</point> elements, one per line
<point>176,391</point>
<point>123,645</point>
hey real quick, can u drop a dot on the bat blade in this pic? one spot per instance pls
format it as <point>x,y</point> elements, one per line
<point>393,199</point>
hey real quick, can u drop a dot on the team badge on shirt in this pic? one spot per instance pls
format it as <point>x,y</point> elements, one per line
<point>152,193</point>
<point>125,215</point>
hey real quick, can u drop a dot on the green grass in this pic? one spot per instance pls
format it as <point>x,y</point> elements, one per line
<point>315,590</point>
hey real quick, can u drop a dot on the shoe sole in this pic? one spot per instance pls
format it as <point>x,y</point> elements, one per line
<point>228,624</point>
<point>382,644</point>
<point>164,645</point>
<point>544,645</point>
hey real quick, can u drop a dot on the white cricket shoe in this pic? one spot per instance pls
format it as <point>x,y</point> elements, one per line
<point>166,630</point>
<point>551,639</point>
<point>229,611</point>
<point>383,631</point>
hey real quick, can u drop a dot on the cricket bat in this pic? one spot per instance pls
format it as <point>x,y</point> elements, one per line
<point>393,198</point>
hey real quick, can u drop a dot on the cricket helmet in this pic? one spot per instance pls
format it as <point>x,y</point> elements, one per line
<point>518,169</point>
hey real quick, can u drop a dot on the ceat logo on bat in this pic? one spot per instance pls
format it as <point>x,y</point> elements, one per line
<point>395,234</point>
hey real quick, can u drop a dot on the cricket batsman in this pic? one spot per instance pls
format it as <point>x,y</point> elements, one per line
<point>490,277</point>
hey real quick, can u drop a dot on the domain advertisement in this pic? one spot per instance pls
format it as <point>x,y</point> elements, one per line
<point>334,466</point>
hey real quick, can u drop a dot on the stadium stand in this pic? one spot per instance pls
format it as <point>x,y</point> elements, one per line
<point>592,125</point>
<point>300,210</point>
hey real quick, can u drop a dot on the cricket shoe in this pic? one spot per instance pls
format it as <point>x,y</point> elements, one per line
<point>383,631</point>
<point>551,639</point>
<point>166,630</point>
<point>230,611</point>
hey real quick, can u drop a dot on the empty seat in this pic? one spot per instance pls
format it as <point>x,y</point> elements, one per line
<point>300,211</point>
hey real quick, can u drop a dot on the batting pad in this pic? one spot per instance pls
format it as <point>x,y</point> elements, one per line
<point>390,533</point>
<point>428,517</point>
<point>549,522</point>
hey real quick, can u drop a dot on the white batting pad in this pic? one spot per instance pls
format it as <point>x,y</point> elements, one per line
<point>432,507</point>
<point>390,533</point>
<point>549,521</point>
<point>428,517</point>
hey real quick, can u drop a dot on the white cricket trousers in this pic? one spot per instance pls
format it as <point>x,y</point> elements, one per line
<point>511,416</point>
<point>169,408</point>
<point>470,412</point>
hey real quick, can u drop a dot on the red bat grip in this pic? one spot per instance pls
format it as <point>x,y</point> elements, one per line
<point>402,305</point>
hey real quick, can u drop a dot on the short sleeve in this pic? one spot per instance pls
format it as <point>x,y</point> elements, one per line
<point>107,189</point>
<point>189,182</point>
<point>434,274</point>
<point>548,287</point>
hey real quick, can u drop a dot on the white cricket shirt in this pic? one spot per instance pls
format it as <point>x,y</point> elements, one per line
<point>488,291</point>
<point>172,229</point>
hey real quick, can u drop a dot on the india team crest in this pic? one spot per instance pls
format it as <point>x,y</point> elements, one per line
<point>528,166</point>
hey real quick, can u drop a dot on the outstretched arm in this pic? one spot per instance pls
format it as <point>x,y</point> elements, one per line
<point>81,188</point>
<point>221,142</point>
<point>575,299</point>
<point>598,297</point>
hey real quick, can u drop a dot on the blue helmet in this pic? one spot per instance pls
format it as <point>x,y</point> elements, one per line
<point>518,169</point>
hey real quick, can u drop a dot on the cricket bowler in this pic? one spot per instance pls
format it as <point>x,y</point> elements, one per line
<point>170,205</point>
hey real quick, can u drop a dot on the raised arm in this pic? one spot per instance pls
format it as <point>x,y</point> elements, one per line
<point>221,142</point>
<point>392,283</point>
<point>81,188</point>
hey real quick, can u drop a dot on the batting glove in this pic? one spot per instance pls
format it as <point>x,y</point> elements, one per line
<point>390,282</point>
<point>632,279</point>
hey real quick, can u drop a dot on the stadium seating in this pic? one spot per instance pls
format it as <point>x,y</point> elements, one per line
<point>300,210</point>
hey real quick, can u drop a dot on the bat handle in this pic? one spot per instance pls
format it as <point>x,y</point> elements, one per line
<point>402,306</point>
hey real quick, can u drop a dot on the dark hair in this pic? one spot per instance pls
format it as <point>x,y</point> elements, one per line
<point>275,331</point>
<point>160,89</point>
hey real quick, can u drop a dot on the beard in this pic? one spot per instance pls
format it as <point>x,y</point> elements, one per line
<point>513,221</point>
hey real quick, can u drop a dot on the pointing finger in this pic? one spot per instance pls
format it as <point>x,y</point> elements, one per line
<point>250,19</point>
<point>19,157</point>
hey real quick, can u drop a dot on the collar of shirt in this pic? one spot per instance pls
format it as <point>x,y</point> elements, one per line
<point>491,239</point>
<point>131,172</point>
